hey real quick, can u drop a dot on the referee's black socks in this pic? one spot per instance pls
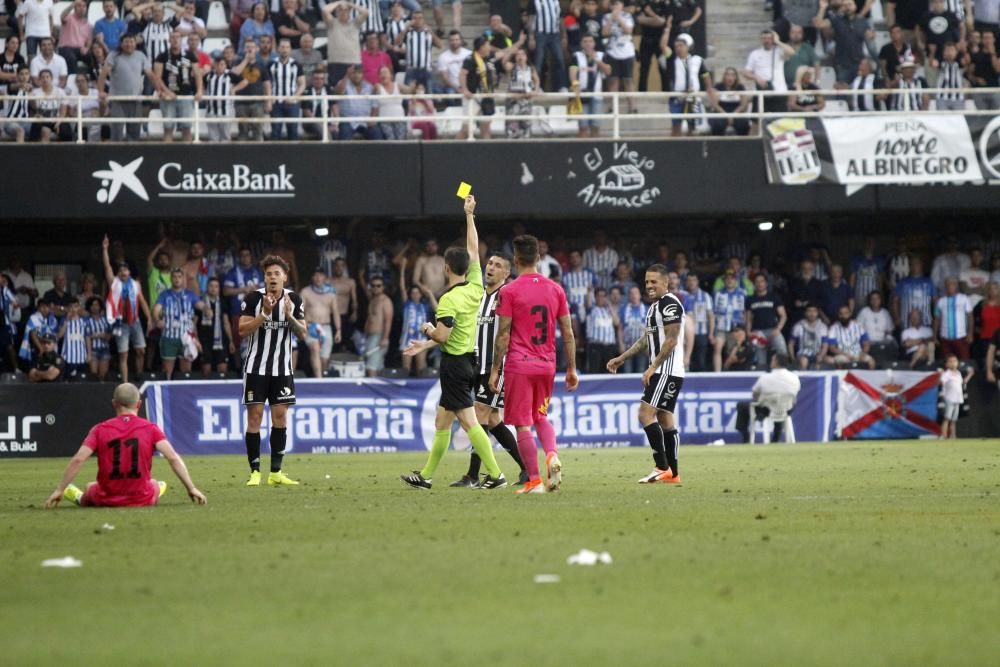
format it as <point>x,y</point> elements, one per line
<point>655,436</point>
<point>671,444</point>
<point>474,463</point>
<point>278,438</point>
<point>253,450</point>
<point>508,441</point>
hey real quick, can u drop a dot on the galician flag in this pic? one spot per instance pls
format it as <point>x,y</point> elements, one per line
<point>887,404</point>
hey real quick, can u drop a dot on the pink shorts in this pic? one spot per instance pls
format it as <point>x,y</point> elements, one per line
<point>95,497</point>
<point>526,397</point>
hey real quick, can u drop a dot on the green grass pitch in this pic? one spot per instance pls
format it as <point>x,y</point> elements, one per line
<point>839,554</point>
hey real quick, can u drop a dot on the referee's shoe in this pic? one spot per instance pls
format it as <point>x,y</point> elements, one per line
<point>280,479</point>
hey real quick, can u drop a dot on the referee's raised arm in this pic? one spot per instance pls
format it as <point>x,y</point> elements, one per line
<point>471,235</point>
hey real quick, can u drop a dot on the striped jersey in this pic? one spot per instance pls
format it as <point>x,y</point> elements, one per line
<point>415,313</point>
<point>915,294</point>
<point>285,77</point>
<point>867,272</point>
<point>601,326</point>
<point>220,85</point>
<point>373,22</point>
<point>956,7</point>
<point>809,338</point>
<point>602,263</point>
<point>546,15</point>
<point>269,348</point>
<point>729,308</point>
<point>95,327</point>
<point>18,106</point>
<point>394,28</point>
<point>486,330</point>
<point>909,96</point>
<point>950,77</point>
<point>952,313</point>
<point>698,306</point>
<point>156,37</point>
<point>665,311</point>
<point>74,342</point>
<point>633,319</point>
<point>418,49</point>
<point>178,311</point>
<point>579,285</point>
<point>848,339</point>
<point>40,324</point>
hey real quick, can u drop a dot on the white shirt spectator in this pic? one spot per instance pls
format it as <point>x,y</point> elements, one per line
<point>809,338</point>
<point>22,280</point>
<point>57,65</point>
<point>948,265</point>
<point>778,381</point>
<point>619,45</point>
<point>915,333</point>
<point>36,15</point>
<point>769,64</point>
<point>878,325</point>
<point>974,279</point>
<point>48,105</point>
<point>951,386</point>
<point>450,65</point>
<point>549,267</point>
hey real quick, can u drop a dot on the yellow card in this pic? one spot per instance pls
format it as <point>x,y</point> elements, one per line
<point>463,190</point>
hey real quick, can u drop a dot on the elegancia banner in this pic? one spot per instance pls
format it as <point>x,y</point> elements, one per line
<point>334,416</point>
<point>884,149</point>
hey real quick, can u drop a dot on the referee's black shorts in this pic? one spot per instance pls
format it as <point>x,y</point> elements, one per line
<point>458,373</point>
<point>662,391</point>
<point>485,395</point>
<point>273,389</point>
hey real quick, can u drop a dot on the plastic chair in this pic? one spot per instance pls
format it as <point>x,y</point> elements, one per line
<point>212,44</point>
<point>95,12</point>
<point>217,17</point>
<point>780,409</point>
<point>154,124</point>
<point>57,10</point>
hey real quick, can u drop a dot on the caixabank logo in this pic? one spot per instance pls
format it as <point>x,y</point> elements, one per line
<point>176,180</point>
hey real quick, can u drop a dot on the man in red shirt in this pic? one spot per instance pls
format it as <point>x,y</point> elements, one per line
<point>124,446</point>
<point>526,347</point>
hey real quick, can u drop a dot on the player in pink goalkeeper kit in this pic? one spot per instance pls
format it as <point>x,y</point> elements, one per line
<point>529,309</point>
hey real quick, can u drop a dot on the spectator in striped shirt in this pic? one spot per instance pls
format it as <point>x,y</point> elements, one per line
<point>17,113</point>
<point>415,312</point>
<point>174,315</point>
<point>867,272</point>
<point>579,282</point>
<point>949,78</point>
<point>287,81</point>
<point>633,322</point>
<point>221,82</point>
<point>602,259</point>
<point>729,305</point>
<point>848,343</point>
<point>953,321</point>
<point>909,95</point>
<point>604,333</point>
<point>915,292</point>
<point>98,333</point>
<point>418,41</point>
<point>808,341</point>
<point>42,321</point>
<point>75,339</point>
<point>698,308</point>
<point>545,39</point>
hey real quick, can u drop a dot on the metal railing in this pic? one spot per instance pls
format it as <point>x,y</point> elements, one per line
<point>613,115</point>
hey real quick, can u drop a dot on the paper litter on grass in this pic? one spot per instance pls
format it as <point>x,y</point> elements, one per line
<point>66,561</point>
<point>588,557</point>
<point>108,526</point>
<point>547,579</point>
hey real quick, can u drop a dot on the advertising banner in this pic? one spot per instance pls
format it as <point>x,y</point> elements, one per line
<point>380,415</point>
<point>887,149</point>
<point>49,419</point>
<point>887,404</point>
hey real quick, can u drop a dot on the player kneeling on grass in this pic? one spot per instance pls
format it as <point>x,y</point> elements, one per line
<point>663,379</point>
<point>124,446</point>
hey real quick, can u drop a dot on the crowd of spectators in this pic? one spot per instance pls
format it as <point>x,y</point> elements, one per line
<point>584,48</point>
<point>178,311</point>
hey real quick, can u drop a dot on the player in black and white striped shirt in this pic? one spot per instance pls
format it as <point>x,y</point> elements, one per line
<point>488,402</point>
<point>664,341</point>
<point>269,317</point>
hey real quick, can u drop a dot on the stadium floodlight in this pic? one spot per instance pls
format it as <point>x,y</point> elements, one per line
<point>322,231</point>
<point>765,226</point>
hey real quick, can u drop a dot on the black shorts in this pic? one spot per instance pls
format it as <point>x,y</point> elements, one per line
<point>486,396</point>
<point>621,68</point>
<point>213,357</point>
<point>662,391</point>
<point>458,381</point>
<point>274,389</point>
